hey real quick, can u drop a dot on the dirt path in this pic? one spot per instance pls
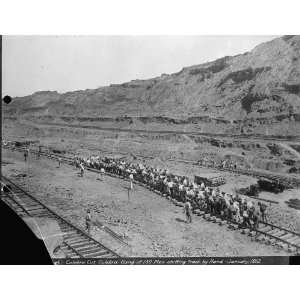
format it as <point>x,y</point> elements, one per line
<point>152,225</point>
<point>182,132</point>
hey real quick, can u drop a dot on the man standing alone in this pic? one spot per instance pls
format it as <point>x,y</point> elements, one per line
<point>188,211</point>
<point>26,151</point>
<point>88,221</point>
<point>81,169</point>
<point>131,181</point>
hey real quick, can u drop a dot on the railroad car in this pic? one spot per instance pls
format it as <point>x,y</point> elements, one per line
<point>210,180</point>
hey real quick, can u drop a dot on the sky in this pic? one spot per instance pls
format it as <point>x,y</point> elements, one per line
<point>69,63</point>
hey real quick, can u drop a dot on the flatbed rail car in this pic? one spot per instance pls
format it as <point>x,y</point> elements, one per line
<point>210,180</point>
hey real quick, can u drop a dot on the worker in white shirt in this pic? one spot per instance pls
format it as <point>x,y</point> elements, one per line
<point>170,188</point>
<point>214,193</point>
<point>102,172</point>
<point>185,182</point>
<point>81,169</point>
<point>131,181</point>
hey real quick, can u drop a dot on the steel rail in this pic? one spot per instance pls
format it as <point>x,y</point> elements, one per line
<point>59,218</point>
<point>289,182</point>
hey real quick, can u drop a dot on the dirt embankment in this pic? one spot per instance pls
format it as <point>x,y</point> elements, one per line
<point>257,154</point>
<point>256,92</point>
<point>253,127</point>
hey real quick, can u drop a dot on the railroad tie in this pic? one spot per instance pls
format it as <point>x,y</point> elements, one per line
<point>286,236</point>
<point>275,232</point>
<point>85,247</point>
<point>99,254</point>
<point>74,240</point>
<point>293,240</point>
<point>79,244</point>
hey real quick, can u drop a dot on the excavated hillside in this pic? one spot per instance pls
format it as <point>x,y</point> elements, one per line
<point>254,92</point>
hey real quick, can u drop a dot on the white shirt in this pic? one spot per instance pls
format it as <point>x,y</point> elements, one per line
<point>236,205</point>
<point>201,195</point>
<point>191,193</point>
<point>170,184</point>
<point>249,204</point>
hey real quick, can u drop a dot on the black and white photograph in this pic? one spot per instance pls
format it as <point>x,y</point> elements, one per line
<point>153,149</point>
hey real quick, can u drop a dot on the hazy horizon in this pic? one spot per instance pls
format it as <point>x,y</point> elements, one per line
<point>68,63</point>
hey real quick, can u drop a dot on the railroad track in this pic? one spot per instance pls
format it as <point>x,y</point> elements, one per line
<point>70,161</point>
<point>266,232</point>
<point>289,182</point>
<point>76,242</point>
<point>259,199</point>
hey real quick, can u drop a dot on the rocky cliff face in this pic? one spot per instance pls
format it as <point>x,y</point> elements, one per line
<point>258,86</point>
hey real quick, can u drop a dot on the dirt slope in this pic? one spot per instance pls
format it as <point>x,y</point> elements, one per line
<point>257,88</point>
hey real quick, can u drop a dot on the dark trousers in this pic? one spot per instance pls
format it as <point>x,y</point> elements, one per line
<point>188,217</point>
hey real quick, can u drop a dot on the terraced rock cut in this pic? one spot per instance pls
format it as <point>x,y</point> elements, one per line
<point>249,88</point>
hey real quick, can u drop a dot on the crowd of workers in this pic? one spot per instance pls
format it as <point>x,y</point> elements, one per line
<point>180,188</point>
